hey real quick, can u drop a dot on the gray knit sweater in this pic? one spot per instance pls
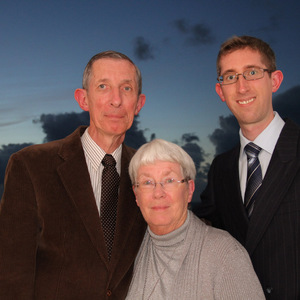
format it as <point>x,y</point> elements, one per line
<point>195,261</point>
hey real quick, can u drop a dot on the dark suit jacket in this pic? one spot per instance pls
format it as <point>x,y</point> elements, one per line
<point>272,236</point>
<point>51,240</point>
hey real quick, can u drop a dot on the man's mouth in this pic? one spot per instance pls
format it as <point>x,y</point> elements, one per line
<point>246,101</point>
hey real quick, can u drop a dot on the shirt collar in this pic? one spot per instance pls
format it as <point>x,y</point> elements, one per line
<point>267,139</point>
<point>96,153</point>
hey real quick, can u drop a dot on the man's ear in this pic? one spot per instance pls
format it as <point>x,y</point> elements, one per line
<point>80,96</point>
<point>277,78</point>
<point>220,92</point>
<point>140,103</point>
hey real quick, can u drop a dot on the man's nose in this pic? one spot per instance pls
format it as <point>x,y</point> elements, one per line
<point>242,84</point>
<point>116,98</point>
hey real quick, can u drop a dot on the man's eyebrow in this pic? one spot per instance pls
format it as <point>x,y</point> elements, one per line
<point>122,81</point>
<point>245,67</point>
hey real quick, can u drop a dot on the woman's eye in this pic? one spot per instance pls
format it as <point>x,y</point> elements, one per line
<point>169,180</point>
<point>147,182</point>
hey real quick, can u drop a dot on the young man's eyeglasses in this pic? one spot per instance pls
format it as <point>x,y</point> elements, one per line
<point>249,74</point>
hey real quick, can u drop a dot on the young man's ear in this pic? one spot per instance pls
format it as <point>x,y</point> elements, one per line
<point>80,96</point>
<point>277,78</point>
<point>219,91</point>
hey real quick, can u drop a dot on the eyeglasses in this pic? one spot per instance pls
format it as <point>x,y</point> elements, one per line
<point>248,74</point>
<point>167,184</point>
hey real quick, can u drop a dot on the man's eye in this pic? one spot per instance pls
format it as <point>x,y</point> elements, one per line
<point>102,86</point>
<point>253,72</point>
<point>127,88</point>
<point>230,77</point>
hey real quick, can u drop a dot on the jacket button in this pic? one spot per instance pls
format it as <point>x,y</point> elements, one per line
<point>269,290</point>
<point>108,293</point>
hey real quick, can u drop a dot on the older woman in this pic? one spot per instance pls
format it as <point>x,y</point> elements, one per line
<point>181,257</point>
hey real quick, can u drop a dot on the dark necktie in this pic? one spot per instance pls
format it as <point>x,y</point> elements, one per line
<point>109,200</point>
<point>254,176</point>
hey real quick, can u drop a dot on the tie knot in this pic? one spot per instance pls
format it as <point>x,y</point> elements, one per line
<point>252,150</point>
<point>108,161</point>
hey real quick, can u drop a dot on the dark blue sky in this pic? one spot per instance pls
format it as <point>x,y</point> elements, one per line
<point>45,46</point>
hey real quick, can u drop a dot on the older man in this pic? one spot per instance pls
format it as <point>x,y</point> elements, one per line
<point>63,233</point>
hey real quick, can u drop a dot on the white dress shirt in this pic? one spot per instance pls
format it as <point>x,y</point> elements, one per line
<point>93,156</point>
<point>266,141</point>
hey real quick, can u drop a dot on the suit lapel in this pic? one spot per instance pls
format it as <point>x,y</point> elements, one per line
<point>76,179</point>
<point>234,205</point>
<point>282,169</point>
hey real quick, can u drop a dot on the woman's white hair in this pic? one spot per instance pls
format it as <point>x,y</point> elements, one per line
<point>161,150</point>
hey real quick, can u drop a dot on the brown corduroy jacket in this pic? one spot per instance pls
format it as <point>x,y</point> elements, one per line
<point>51,240</point>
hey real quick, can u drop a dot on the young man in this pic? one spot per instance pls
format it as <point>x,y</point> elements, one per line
<point>264,216</point>
<point>52,239</point>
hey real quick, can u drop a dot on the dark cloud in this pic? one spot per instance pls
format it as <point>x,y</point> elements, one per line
<point>287,104</point>
<point>227,136</point>
<point>197,34</point>
<point>190,144</point>
<point>135,137</point>
<point>142,49</point>
<point>5,152</point>
<point>58,126</point>
<point>189,137</point>
<point>182,25</point>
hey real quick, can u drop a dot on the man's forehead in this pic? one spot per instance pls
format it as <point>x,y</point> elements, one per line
<point>241,59</point>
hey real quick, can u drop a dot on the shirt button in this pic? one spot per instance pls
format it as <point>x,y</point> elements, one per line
<point>108,293</point>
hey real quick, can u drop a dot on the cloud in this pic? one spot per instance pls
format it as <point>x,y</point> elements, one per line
<point>182,25</point>
<point>5,152</point>
<point>58,126</point>
<point>227,136</point>
<point>142,49</point>
<point>197,34</point>
<point>135,137</point>
<point>189,143</point>
<point>287,104</point>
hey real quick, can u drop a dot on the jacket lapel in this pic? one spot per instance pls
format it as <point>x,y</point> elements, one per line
<point>282,169</point>
<point>234,204</point>
<point>76,180</point>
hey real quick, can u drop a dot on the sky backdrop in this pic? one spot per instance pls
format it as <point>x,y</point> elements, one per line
<point>45,46</point>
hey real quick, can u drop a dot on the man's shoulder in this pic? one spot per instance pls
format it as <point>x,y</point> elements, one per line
<point>51,146</point>
<point>228,155</point>
<point>128,151</point>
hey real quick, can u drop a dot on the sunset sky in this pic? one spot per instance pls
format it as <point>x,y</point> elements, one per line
<point>45,46</point>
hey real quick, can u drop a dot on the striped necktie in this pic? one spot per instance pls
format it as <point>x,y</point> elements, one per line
<point>254,176</point>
